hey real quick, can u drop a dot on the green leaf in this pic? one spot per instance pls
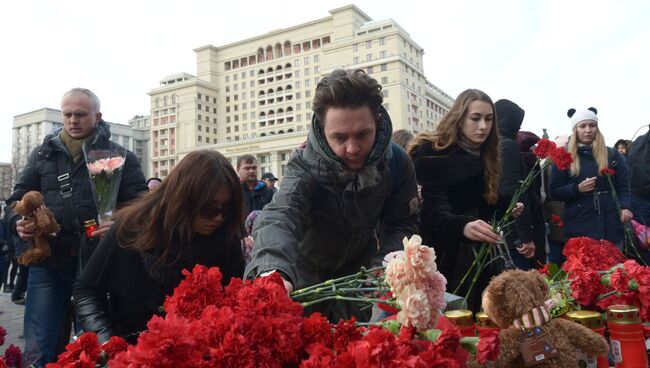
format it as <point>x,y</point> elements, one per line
<point>431,335</point>
<point>469,343</point>
<point>553,269</point>
<point>391,325</point>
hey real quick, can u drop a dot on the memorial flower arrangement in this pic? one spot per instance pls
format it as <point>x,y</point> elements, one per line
<point>596,275</point>
<point>256,324</point>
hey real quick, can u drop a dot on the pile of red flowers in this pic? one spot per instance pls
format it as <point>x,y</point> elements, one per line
<point>256,324</point>
<point>602,276</point>
<point>13,357</point>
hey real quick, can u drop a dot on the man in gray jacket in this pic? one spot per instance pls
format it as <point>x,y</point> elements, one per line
<point>348,197</point>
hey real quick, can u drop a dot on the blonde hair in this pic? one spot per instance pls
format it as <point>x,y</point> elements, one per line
<point>598,149</point>
<point>448,132</point>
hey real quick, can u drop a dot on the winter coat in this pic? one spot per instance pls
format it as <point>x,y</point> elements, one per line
<point>593,214</point>
<point>452,191</point>
<point>134,295</point>
<point>326,220</point>
<point>41,174</point>
<point>257,198</point>
<point>639,164</point>
<point>513,170</point>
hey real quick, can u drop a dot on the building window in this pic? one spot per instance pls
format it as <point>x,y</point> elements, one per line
<point>356,60</point>
<point>370,70</point>
<point>355,47</point>
<point>200,107</point>
<point>297,85</point>
<point>384,80</point>
<point>368,44</point>
<point>382,40</point>
<point>382,54</point>
<point>198,95</point>
<point>384,67</point>
<point>297,73</point>
<point>368,57</point>
<point>200,139</point>
<point>200,117</point>
<point>386,106</point>
<point>308,94</point>
<point>385,93</point>
<point>306,72</point>
<point>306,60</point>
<point>317,69</point>
<point>207,139</point>
<point>296,62</point>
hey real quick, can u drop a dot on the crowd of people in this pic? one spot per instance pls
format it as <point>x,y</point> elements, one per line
<point>347,198</point>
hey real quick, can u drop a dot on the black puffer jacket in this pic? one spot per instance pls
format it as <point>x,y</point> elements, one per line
<point>41,174</point>
<point>513,170</point>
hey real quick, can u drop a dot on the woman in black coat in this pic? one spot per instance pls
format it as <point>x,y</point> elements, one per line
<point>194,217</point>
<point>459,170</point>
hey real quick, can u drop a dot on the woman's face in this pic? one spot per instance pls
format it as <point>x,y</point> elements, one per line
<point>478,122</point>
<point>586,131</point>
<point>213,214</point>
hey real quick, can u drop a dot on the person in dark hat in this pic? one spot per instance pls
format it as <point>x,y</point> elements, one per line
<point>270,180</point>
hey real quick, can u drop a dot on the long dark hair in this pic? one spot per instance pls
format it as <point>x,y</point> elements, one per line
<point>448,132</point>
<point>162,219</point>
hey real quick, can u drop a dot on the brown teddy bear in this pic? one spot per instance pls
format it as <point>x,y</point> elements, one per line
<point>31,207</point>
<point>515,300</point>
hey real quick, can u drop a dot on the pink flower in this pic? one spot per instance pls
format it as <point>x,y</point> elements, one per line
<point>420,259</point>
<point>416,310</point>
<point>95,167</point>
<point>113,164</point>
<point>396,276</point>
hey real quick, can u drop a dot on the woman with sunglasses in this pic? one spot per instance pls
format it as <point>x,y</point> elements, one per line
<point>194,217</point>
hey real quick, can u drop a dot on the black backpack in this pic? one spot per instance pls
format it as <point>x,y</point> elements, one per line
<point>639,164</point>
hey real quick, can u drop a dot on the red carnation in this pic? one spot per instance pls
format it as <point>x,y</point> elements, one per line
<point>586,287</point>
<point>4,365</point>
<point>488,346</point>
<point>544,270</point>
<point>13,356</point>
<point>561,158</point>
<point>114,346</point>
<point>316,329</point>
<point>557,221</point>
<point>544,148</point>
<point>200,288</point>
<point>83,352</point>
<point>607,171</point>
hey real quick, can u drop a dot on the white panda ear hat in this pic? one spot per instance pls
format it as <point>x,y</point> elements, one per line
<point>582,115</point>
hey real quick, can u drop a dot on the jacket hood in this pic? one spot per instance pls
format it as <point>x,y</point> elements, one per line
<point>382,140</point>
<point>509,118</point>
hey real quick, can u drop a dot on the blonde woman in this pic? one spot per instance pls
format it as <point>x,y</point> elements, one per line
<point>590,209</point>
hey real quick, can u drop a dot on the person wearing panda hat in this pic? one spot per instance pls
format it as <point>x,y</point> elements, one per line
<point>590,209</point>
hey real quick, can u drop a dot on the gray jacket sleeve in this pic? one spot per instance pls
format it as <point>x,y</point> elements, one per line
<point>400,218</point>
<point>279,227</point>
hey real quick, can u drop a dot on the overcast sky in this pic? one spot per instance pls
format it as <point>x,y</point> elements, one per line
<point>547,56</point>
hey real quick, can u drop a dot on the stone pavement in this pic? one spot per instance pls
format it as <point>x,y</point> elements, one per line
<point>11,318</point>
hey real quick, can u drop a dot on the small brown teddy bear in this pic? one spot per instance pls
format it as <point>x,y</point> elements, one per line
<point>32,208</point>
<point>515,300</point>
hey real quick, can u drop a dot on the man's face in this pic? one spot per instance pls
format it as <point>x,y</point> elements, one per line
<point>350,133</point>
<point>248,171</point>
<point>79,115</point>
<point>269,182</point>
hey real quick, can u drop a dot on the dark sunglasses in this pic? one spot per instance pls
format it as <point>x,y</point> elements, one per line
<point>214,211</point>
